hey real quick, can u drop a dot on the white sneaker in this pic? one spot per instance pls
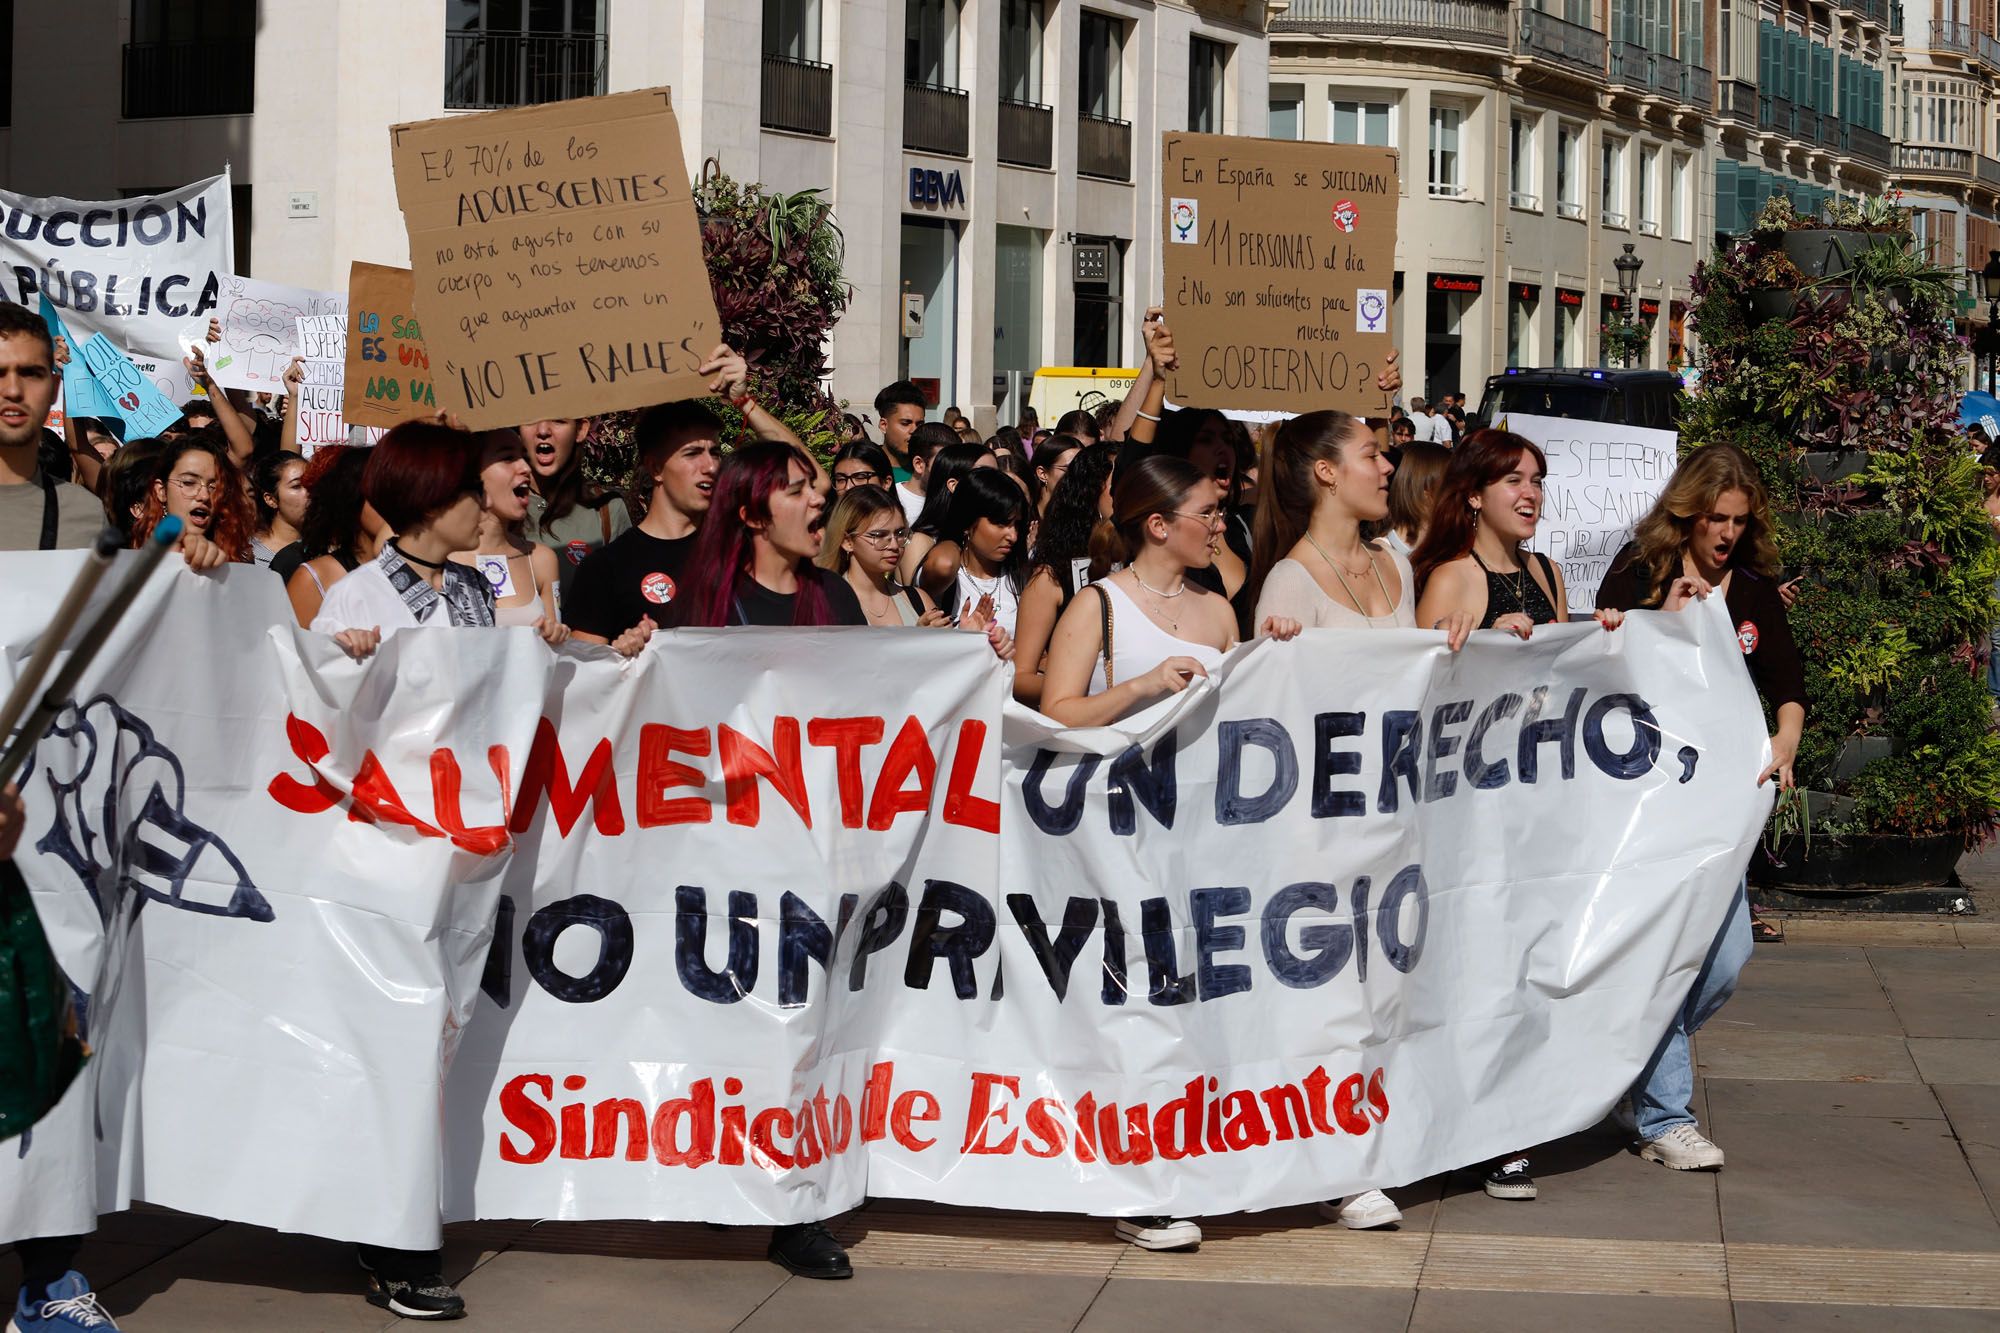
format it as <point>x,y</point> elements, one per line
<point>1683,1148</point>
<point>1159,1233</point>
<point>1362,1212</point>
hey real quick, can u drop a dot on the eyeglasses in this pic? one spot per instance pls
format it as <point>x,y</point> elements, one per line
<point>1208,518</point>
<point>885,537</point>
<point>191,485</point>
<point>842,480</point>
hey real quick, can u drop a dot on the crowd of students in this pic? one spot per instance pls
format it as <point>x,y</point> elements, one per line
<point>1112,560</point>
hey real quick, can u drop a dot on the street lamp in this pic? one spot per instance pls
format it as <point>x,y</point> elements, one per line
<point>1989,278</point>
<point>1628,265</point>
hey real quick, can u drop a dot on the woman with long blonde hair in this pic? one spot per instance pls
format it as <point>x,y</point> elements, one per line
<point>1709,532</point>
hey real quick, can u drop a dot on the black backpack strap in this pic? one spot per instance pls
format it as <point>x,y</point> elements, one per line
<point>915,600</point>
<point>49,514</point>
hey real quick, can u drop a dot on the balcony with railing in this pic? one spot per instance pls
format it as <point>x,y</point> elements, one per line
<point>1779,115</point>
<point>1698,87</point>
<point>1027,133</point>
<point>485,70</point>
<point>1559,44</point>
<point>1957,38</point>
<point>1739,101</point>
<point>1461,22</point>
<point>1104,148</point>
<point>171,79</point>
<point>797,96</point>
<point>1986,170</point>
<point>936,119</point>
<point>1652,72</point>
<point>1934,160</point>
<point>1870,146</point>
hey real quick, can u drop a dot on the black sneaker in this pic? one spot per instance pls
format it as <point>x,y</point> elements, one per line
<point>1510,1180</point>
<point>809,1250</point>
<point>428,1297</point>
<point>1159,1233</point>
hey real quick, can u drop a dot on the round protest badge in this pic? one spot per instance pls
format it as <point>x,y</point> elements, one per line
<point>499,573</point>
<point>576,551</point>
<point>657,588</point>
<point>1746,636</point>
<point>1346,216</point>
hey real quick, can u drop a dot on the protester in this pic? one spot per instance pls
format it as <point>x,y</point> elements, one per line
<point>1007,440</point>
<point>1470,565</point>
<point>923,445</point>
<point>1079,425</point>
<point>865,534</point>
<point>1488,504</point>
<point>1710,531</point>
<point>752,561</point>
<point>947,467</point>
<point>1202,437</point>
<point>37,512</point>
<point>860,463</point>
<point>1411,489</point>
<point>1016,465</point>
<point>899,410</point>
<point>522,574</point>
<point>221,409</point>
<point>341,532</point>
<point>1402,434</point>
<point>279,489</point>
<point>566,509</point>
<point>126,482</point>
<point>1061,561</point>
<point>196,483</point>
<point>981,555</point>
<point>90,441</point>
<point>1052,458</point>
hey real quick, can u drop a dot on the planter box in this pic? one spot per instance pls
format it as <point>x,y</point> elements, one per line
<point>1819,251</point>
<point>1857,752</point>
<point>1823,807</point>
<point>1864,862</point>
<point>1769,303</point>
<point>1827,467</point>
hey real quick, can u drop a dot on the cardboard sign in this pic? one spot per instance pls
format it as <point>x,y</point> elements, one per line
<point>137,399</point>
<point>1603,477</point>
<point>558,259</point>
<point>1280,258</point>
<point>387,370</point>
<point>260,331</point>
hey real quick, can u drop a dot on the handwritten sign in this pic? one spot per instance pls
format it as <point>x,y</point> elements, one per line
<point>1603,477</point>
<point>1280,258</point>
<point>387,372</point>
<point>146,410</point>
<point>322,344</point>
<point>558,258</point>
<point>260,331</point>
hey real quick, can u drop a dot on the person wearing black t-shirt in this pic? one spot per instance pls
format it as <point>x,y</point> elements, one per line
<point>1710,532</point>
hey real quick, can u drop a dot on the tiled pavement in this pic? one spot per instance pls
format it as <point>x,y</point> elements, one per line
<point>1854,1081</point>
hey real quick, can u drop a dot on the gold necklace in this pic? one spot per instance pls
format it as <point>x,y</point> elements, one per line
<point>1352,596</point>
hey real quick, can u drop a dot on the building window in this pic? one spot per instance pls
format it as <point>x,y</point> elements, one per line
<point>1207,63</point>
<point>1680,199</point>
<point>1725,40</point>
<point>1612,203</point>
<point>1569,170</point>
<point>1368,123</point>
<point>1098,322</point>
<point>1522,181</point>
<point>1287,111</point>
<point>930,43</point>
<point>1520,330</point>
<point>1566,335</point>
<point>186,59</point>
<point>1017,300</point>
<point>1100,66</point>
<point>1021,52</point>
<point>1649,190</point>
<point>791,29</point>
<point>1447,163</point>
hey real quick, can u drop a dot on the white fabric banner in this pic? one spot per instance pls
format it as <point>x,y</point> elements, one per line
<point>1603,477</point>
<point>145,272</point>
<point>778,922</point>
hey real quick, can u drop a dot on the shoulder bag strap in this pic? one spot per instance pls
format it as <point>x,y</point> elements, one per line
<point>1104,607</point>
<point>48,512</point>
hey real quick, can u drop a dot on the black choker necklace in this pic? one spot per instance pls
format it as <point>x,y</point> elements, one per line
<point>416,559</point>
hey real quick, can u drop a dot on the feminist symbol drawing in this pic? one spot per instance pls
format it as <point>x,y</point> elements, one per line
<point>1186,217</point>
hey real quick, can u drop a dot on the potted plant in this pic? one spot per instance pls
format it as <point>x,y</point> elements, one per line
<point>1625,342</point>
<point>1850,407</point>
<point>1829,245</point>
<point>1772,285</point>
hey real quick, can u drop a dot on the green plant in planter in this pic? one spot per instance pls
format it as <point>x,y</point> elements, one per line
<point>1625,341</point>
<point>1897,605</point>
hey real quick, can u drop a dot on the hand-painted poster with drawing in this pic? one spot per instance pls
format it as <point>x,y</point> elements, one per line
<point>1279,260</point>
<point>260,331</point>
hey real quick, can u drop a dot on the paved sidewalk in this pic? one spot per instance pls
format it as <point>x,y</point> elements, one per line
<point>1854,1082</point>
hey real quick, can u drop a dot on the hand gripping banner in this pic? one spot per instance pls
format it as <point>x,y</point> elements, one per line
<point>767,921</point>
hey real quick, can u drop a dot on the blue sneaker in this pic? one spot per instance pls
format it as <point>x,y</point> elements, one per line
<point>71,1305</point>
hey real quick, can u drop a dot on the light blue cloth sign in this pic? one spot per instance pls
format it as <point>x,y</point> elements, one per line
<point>146,410</point>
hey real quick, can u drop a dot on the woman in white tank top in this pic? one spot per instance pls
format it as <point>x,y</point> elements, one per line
<point>522,574</point>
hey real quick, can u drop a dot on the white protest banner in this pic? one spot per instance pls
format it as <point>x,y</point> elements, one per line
<point>142,271</point>
<point>777,923</point>
<point>260,333</point>
<point>1603,477</point>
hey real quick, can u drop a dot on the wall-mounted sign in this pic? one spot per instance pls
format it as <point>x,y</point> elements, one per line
<point>1457,282</point>
<point>913,314</point>
<point>936,189</point>
<point>1648,309</point>
<point>1528,293</point>
<point>1091,263</point>
<point>1566,297</point>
